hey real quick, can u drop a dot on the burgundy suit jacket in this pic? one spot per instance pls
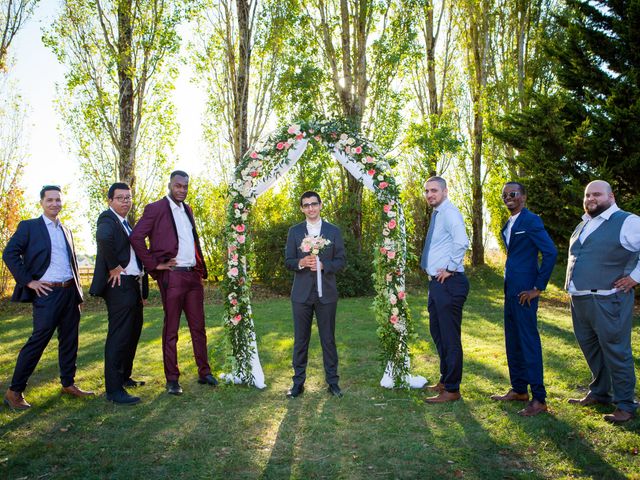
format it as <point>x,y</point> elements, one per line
<point>158,226</point>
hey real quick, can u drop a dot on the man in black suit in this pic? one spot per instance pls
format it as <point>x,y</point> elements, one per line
<point>309,296</point>
<point>119,279</point>
<point>41,257</point>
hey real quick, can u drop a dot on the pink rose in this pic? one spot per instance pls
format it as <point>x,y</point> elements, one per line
<point>240,228</point>
<point>393,300</point>
<point>358,149</point>
<point>386,208</point>
<point>235,205</point>
<point>347,149</point>
<point>233,271</point>
<point>300,136</point>
<point>393,319</point>
<point>371,172</point>
<point>383,250</point>
<point>280,145</point>
<point>383,185</point>
<point>234,301</point>
<point>392,223</point>
<point>369,159</point>
<point>234,257</point>
<point>253,173</point>
<point>401,294</point>
<point>292,129</point>
<point>254,155</point>
<point>236,320</point>
<point>391,254</point>
<point>306,248</point>
<point>240,238</point>
<point>318,138</point>
<point>232,248</point>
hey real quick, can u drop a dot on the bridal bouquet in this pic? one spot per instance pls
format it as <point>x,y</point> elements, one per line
<point>314,245</point>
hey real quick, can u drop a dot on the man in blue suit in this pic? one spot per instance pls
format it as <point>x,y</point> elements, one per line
<point>307,297</point>
<point>41,257</point>
<point>525,237</point>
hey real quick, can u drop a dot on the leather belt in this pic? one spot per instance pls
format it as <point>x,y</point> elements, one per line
<point>183,269</point>
<point>65,284</point>
<point>451,274</point>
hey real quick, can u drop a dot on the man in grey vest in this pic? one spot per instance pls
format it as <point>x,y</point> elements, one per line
<point>602,270</point>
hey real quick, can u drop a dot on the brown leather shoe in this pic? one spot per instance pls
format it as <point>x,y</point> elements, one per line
<point>586,401</point>
<point>444,396</point>
<point>619,416</point>
<point>74,391</point>
<point>438,387</point>
<point>533,408</point>
<point>15,400</point>
<point>511,396</point>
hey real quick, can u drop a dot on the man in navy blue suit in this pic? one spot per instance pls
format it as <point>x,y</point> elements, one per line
<point>41,257</point>
<point>525,237</point>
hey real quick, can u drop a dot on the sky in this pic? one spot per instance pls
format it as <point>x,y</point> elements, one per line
<point>36,74</point>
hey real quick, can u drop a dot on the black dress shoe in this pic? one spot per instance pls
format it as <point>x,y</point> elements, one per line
<point>295,391</point>
<point>334,390</point>
<point>174,388</point>
<point>208,380</point>
<point>130,382</point>
<point>122,398</point>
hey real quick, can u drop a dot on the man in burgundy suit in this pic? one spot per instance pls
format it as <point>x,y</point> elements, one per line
<point>174,259</point>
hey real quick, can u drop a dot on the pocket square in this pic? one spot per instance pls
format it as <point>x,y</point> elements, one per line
<point>521,231</point>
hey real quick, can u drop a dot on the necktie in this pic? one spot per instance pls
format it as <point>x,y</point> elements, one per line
<point>427,242</point>
<point>127,226</point>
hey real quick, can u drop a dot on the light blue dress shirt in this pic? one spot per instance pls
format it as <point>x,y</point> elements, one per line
<point>449,242</point>
<point>60,266</point>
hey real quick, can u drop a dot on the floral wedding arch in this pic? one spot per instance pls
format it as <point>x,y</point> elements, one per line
<point>257,172</point>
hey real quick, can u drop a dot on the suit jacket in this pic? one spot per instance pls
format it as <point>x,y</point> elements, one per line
<point>157,224</point>
<point>528,237</point>
<point>28,254</point>
<point>113,250</point>
<point>332,258</point>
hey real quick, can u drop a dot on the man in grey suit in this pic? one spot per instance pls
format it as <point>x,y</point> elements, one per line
<point>308,295</point>
<point>602,271</point>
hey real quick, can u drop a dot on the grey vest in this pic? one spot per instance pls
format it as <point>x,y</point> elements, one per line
<point>601,260</point>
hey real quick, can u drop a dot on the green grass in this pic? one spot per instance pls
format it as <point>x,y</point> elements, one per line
<point>239,432</point>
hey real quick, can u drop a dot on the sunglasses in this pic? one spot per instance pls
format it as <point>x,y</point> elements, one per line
<point>513,194</point>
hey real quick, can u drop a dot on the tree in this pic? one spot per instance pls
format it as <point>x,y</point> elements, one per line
<point>117,105</point>
<point>13,14</point>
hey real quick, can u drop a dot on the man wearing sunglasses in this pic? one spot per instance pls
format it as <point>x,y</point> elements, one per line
<point>42,259</point>
<point>602,271</point>
<point>524,237</point>
<point>118,278</point>
<point>307,296</point>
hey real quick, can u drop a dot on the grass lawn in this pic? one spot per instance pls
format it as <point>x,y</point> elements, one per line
<point>239,432</point>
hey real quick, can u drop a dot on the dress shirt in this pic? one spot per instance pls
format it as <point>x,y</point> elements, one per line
<point>449,241</point>
<point>132,268</point>
<point>60,265</point>
<point>313,229</point>
<point>629,239</point>
<point>186,256</point>
<point>507,231</point>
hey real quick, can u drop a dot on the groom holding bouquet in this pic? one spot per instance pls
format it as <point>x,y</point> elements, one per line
<point>314,252</point>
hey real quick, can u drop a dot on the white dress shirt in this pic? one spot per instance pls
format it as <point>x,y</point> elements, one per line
<point>186,243</point>
<point>313,229</point>
<point>60,265</point>
<point>449,241</point>
<point>507,231</point>
<point>629,239</point>
<point>132,268</point>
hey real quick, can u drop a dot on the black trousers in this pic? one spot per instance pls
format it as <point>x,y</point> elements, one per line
<point>124,309</point>
<point>57,310</point>
<point>302,320</point>
<point>445,321</point>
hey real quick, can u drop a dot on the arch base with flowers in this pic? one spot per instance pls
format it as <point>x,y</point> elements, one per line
<point>256,173</point>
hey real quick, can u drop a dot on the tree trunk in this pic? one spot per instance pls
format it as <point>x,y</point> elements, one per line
<point>242,80</point>
<point>127,156</point>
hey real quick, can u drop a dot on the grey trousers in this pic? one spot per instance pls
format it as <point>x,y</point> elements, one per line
<point>602,326</point>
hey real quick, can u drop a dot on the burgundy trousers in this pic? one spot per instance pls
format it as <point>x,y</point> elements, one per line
<point>183,292</point>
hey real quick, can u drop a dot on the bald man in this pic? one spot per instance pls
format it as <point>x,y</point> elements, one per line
<point>602,270</point>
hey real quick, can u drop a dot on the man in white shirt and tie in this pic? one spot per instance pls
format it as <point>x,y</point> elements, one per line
<point>118,278</point>
<point>442,257</point>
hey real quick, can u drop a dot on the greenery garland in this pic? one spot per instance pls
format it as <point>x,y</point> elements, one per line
<point>390,304</point>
